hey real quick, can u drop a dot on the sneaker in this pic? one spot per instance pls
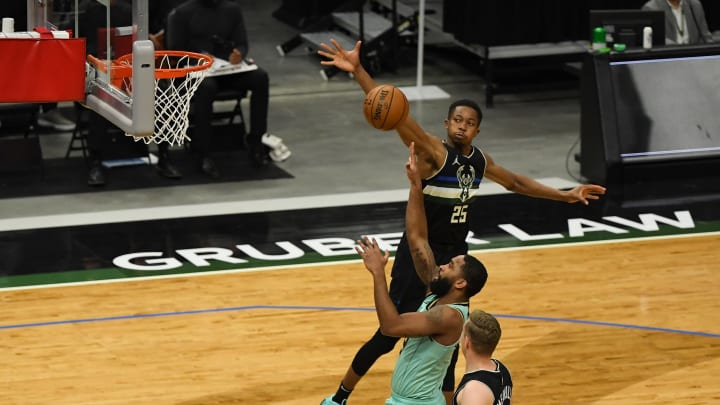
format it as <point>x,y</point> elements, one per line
<point>96,176</point>
<point>258,154</point>
<point>208,167</point>
<point>279,152</point>
<point>167,169</point>
<point>329,401</point>
<point>55,120</point>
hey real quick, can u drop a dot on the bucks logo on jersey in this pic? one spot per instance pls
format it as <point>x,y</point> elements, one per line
<point>466,177</point>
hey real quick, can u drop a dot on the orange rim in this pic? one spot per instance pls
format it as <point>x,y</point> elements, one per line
<point>122,66</point>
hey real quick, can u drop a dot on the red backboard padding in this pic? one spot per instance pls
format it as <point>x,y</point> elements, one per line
<point>42,70</point>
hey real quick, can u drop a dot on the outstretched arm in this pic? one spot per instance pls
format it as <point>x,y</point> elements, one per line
<point>430,151</point>
<point>520,184</point>
<point>416,228</point>
<point>435,322</point>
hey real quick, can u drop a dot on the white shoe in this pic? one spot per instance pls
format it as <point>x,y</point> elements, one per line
<point>55,120</point>
<point>279,152</point>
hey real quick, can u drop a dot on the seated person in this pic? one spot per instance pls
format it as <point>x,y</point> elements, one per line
<point>684,21</point>
<point>216,27</point>
<point>92,18</point>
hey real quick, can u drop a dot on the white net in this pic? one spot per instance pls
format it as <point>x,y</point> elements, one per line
<point>172,96</point>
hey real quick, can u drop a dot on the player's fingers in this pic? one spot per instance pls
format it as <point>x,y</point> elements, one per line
<point>327,48</point>
<point>336,44</point>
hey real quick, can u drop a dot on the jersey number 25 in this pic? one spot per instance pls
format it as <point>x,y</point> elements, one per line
<point>459,214</point>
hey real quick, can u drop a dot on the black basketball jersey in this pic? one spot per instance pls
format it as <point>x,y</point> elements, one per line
<point>447,197</point>
<point>499,382</point>
<point>449,194</point>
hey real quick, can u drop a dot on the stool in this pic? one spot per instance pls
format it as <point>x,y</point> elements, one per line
<point>78,134</point>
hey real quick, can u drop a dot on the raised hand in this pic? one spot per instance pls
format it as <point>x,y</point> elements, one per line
<point>339,57</point>
<point>373,257</point>
<point>411,168</point>
<point>585,192</point>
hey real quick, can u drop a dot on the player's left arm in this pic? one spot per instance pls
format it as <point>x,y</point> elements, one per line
<point>521,184</point>
<point>416,228</point>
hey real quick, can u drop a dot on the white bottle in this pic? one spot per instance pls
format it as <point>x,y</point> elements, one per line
<point>8,25</point>
<point>647,37</point>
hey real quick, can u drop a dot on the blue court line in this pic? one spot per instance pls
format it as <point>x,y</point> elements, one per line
<point>318,308</point>
<point>610,324</point>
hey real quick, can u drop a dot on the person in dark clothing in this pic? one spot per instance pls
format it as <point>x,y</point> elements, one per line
<point>92,19</point>
<point>217,27</point>
<point>684,21</point>
<point>486,380</point>
<point>452,170</point>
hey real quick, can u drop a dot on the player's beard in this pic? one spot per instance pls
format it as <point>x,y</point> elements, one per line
<point>440,286</point>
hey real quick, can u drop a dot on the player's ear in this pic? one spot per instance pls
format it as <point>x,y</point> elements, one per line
<point>460,283</point>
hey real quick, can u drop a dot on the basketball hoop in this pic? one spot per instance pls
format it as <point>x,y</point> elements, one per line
<point>177,75</point>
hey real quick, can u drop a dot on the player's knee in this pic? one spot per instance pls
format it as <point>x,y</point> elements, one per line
<point>372,350</point>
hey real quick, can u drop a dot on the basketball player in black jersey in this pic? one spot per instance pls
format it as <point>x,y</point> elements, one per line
<point>486,380</point>
<point>451,170</point>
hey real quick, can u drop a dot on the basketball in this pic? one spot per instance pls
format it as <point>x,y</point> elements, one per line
<point>385,107</point>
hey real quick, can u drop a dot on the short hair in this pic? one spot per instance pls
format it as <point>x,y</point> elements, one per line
<point>475,274</point>
<point>466,103</point>
<point>484,332</point>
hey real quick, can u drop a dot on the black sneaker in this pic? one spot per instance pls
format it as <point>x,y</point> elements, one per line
<point>167,170</point>
<point>96,176</point>
<point>258,154</point>
<point>208,167</point>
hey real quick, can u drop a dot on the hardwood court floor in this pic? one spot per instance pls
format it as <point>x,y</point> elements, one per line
<point>611,323</point>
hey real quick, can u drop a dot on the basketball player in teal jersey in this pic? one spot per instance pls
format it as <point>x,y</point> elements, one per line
<point>432,332</point>
<point>451,170</point>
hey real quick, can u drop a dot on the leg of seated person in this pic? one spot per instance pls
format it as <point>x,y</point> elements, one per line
<point>97,129</point>
<point>202,121</point>
<point>164,167</point>
<point>258,83</point>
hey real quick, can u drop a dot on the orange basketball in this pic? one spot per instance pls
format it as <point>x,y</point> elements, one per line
<point>385,107</point>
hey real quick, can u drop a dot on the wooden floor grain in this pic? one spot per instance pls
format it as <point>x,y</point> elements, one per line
<point>614,323</point>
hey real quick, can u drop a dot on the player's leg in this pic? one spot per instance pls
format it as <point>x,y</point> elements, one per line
<point>407,293</point>
<point>373,349</point>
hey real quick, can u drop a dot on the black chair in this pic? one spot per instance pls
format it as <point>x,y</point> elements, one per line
<point>236,112</point>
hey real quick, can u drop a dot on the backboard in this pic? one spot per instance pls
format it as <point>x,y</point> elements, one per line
<point>132,112</point>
